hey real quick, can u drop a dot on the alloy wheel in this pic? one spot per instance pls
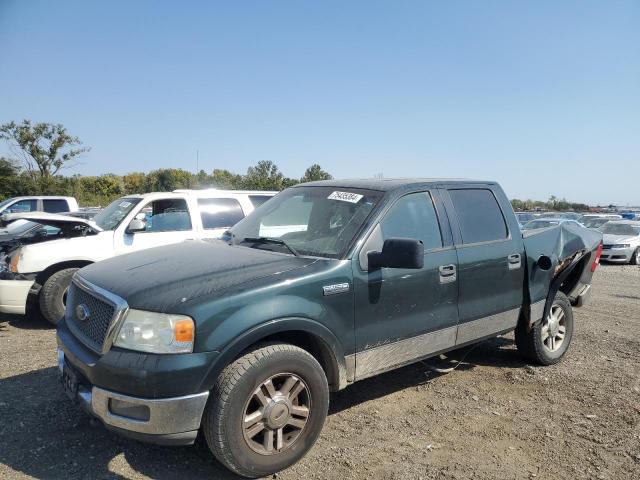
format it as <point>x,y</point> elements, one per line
<point>554,329</point>
<point>276,413</point>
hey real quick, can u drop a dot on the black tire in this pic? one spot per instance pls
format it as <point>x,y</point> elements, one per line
<point>231,398</point>
<point>533,344</point>
<point>635,258</point>
<point>52,295</point>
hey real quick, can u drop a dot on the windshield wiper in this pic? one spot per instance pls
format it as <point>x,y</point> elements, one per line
<point>275,241</point>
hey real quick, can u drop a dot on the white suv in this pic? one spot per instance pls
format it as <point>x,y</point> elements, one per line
<point>11,208</point>
<point>43,271</point>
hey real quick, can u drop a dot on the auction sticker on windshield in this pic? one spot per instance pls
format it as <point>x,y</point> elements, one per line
<point>345,197</point>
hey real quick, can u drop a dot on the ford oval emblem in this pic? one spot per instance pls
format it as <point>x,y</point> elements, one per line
<point>82,312</point>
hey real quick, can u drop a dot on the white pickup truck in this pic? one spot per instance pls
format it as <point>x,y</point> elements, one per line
<point>39,274</point>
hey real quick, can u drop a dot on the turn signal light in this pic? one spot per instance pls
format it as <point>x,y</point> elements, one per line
<point>183,330</point>
<point>13,266</point>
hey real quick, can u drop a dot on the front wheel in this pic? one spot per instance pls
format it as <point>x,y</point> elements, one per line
<point>635,257</point>
<point>548,339</point>
<point>266,410</point>
<point>53,295</point>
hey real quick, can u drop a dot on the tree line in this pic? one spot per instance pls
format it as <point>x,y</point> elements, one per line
<point>41,150</point>
<point>554,203</point>
<point>101,190</point>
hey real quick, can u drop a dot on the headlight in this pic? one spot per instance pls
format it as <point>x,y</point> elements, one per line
<point>621,245</point>
<point>156,332</point>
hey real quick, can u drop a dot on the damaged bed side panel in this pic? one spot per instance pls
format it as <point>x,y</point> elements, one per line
<point>567,246</point>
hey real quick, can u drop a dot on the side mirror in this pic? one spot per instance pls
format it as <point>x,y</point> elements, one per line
<point>398,253</point>
<point>136,225</point>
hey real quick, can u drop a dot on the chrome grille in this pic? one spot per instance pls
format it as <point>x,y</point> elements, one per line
<point>92,331</point>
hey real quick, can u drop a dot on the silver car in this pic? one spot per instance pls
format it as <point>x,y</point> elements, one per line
<point>621,241</point>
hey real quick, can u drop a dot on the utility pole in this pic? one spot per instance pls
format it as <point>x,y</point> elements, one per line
<point>197,161</point>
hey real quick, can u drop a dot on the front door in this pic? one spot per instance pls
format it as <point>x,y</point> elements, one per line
<point>167,221</point>
<point>402,315</point>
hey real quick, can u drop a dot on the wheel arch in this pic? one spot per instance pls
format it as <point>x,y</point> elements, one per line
<point>307,334</point>
<point>44,275</point>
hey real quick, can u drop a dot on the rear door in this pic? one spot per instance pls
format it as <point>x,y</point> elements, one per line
<point>219,214</point>
<point>55,205</point>
<point>490,260</point>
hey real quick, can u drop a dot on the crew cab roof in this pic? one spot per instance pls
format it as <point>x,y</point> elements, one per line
<point>389,184</point>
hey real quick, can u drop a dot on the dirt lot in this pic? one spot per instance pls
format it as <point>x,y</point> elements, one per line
<point>493,417</point>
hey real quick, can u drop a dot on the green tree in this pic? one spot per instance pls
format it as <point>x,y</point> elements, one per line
<point>8,168</point>
<point>168,179</point>
<point>264,176</point>
<point>135,182</point>
<point>43,148</point>
<point>314,173</point>
<point>221,178</point>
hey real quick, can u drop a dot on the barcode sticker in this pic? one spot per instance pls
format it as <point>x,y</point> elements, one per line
<point>345,197</point>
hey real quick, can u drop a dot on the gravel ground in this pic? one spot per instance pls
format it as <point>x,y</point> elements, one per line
<point>493,417</point>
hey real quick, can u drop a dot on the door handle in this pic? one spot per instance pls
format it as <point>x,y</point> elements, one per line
<point>447,273</point>
<point>514,261</point>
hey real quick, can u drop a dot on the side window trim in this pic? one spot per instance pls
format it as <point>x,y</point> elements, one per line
<point>441,217</point>
<point>455,222</point>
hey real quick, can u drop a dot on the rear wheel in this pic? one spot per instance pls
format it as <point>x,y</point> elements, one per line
<point>548,339</point>
<point>635,258</point>
<point>266,410</point>
<point>53,295</point>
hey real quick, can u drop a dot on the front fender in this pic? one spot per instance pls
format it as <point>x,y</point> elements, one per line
<point>337,364</point>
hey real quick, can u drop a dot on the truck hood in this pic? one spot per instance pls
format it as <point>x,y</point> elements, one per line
<point>609,239</point>
<point>53,219</point>
<point>160,278</point>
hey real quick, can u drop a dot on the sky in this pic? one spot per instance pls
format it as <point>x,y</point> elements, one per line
<point>542,96</point>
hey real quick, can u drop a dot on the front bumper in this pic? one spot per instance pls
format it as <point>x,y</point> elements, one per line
<point>13,295</point>
<point>618,255</point>
<point>167,421</point>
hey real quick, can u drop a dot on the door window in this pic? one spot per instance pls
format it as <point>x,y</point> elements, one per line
<point>168,215</point>
<point>23,206</point>
<point>413,216</point>
<point>219,212</point>
<point>257,200</point>
<point>55,205</point>
<point>479,215</point>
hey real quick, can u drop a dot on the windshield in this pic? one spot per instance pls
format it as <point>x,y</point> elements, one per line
<point>110,217</point>
<point>19,227</point>
<point>316,221</point>
<point>540,224</point>
<point>525,217</point>
<point>6,202</point>
<point>620,229</point>
<point>595,222</point>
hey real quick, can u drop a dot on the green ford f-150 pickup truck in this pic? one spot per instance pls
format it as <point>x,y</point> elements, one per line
<point>324,285</point>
